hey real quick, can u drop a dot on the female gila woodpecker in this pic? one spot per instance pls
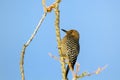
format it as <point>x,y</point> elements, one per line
<point>70,47</point>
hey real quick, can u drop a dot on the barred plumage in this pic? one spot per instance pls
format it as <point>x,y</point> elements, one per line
<point>70,47</point>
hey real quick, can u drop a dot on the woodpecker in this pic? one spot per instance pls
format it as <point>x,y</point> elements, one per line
<point>70,47</point>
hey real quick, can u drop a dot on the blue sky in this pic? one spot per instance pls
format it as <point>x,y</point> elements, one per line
<point>98,22</point>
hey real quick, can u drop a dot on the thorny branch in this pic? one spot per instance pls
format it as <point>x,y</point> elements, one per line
<point>57,27</point>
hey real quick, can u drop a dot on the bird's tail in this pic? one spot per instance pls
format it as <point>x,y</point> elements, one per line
<point>67,72</point>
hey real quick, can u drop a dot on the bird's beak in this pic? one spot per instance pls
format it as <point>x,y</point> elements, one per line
<point>64,30</point>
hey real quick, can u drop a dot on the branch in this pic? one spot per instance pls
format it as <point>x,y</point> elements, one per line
<point>27,44</point>
<point>84,74</point>
<point>57,27</point>
<point>55,6</point>
<point>54,57</point>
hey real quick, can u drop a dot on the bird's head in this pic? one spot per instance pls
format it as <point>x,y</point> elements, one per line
<point>73,33</point>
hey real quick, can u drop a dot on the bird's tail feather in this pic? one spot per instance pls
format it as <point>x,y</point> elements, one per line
<point>67,72</point>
